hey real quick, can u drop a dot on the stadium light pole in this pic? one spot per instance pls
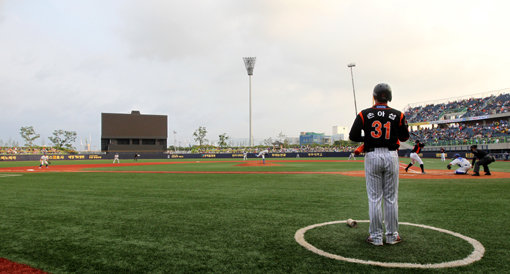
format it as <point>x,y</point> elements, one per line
<point>351,65</point>
<point>249,63</point>
<point>175,144</point>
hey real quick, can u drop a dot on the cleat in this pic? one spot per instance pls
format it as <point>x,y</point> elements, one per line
<point>488,173</point>
<point>372,242</point>
<point>394,242</point>
<point>423,172</point>
<point>476,174</point>
<point>406,169</point>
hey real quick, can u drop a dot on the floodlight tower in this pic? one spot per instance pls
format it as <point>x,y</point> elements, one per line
<point>351,65</point>
<point>249,63</point>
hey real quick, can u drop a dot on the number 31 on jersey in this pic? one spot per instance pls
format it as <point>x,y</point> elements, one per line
<point>377,132</point>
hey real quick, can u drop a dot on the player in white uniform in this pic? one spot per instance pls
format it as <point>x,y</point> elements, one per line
<point>116,158</point>
<point>352,156</point>
<point>263,154</point>
<point>44,161</point>
<point>384,128</point>
<point>245,155</point>
<point>464,165</point>
<point>443,155</point>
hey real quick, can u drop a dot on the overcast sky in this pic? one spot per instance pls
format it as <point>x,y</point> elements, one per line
<point>63,62</point>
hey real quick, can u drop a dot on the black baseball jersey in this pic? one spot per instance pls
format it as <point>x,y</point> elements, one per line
<point>417,147</point>
<point>382,126</point>
<point>478,154</point>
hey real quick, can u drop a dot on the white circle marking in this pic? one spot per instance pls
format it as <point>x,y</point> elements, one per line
<point>476,255</point>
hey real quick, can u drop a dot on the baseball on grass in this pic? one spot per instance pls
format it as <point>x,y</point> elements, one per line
<point>352,223</point>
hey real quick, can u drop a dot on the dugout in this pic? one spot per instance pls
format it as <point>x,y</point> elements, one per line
<point>133,132</point>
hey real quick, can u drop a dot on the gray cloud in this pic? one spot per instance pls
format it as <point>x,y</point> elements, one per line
<point>64,63</point>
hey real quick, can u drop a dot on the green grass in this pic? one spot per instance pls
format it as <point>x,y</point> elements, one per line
<point>224,223</point>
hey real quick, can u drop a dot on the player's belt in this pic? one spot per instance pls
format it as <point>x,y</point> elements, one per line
<point>372,149</point>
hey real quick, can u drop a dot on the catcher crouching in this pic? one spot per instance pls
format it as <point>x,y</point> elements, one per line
<point>462,163</point>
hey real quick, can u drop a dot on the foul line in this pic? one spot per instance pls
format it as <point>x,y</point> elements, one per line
<point>409,170</point>
<point>9,175</point>
<point>476,255</point>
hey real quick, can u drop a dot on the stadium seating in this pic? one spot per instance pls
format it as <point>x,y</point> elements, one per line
<point>468,107</point>
<point>482,131</point>
<point>466,134</point>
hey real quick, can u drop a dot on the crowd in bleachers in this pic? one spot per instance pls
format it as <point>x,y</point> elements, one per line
<point>206,149</point>
<point>30,150</point>
<point>464,108</point>
<point>272,149</point>
<point>466,133</point>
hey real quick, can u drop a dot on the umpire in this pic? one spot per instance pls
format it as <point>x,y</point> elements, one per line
<point>484,159</point>
<point>383,128</point>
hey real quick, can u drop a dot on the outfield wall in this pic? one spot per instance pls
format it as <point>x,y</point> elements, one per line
<point>156,155</point>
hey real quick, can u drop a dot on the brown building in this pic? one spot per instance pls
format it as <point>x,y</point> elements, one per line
<point>133,132</point>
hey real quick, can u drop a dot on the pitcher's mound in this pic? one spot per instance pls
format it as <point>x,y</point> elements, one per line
<point>257,163</point>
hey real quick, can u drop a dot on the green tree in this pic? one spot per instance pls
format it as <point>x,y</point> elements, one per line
<point>223,140</point>
<point>63,138</point>
<point>268,142</point>
<point>282,139</point>
<point>199,135</point>
<point>29,135</point>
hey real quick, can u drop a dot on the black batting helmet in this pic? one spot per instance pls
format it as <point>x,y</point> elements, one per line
<point>382,92</point>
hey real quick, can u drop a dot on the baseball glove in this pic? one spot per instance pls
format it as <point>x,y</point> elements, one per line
<point>449,166</point>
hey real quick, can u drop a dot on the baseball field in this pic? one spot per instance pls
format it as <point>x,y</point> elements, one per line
<point>224,216</point>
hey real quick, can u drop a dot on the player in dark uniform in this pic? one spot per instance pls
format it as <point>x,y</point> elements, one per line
<point>415,158</point>
<point>484,159</point>
<point>383,127</point>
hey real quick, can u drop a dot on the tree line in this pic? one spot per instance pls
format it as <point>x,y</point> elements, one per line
<point>199,135</point>
<point>61,139</point>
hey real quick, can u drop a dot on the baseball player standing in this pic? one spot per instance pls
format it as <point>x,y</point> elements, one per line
<point>352,156</point>
<point>383,127</point>
<point>116,158</point>
<point>463,164</point>
<point>415,158</point>
<point>44,160</point>
<point>443,155</point>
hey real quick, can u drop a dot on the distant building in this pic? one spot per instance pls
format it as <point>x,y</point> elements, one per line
<point>293,140</point>
<point>133,132</point>
<point>309,138</point>
<point>339,134</point>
